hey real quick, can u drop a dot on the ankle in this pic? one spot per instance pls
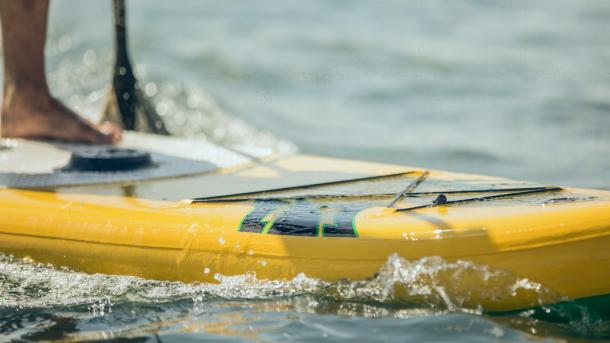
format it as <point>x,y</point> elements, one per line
<point>20,104</point>
<point>26,83</point>
<point>24,91</point>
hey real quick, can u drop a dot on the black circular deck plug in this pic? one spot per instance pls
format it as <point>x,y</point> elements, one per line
<point>108,159</point>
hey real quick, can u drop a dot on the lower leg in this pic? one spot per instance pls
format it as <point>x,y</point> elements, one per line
<point>28,109</point>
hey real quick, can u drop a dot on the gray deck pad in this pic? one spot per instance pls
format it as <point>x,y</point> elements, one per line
<point>38,164</point>
<point>163,166</point>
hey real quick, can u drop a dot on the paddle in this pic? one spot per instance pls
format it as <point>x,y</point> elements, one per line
<point>126,104</point>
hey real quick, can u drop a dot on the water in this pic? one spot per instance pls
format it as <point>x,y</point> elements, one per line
<point>518,89</point>
<point>42,302</point>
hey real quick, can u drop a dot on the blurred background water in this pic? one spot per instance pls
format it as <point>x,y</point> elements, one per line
<point>519,89</point>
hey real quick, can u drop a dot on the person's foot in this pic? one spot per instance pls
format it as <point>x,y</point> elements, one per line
<point>30,113</point>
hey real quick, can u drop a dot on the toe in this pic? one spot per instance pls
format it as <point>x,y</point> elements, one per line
<point>86,132</point>
<point>111,130</point>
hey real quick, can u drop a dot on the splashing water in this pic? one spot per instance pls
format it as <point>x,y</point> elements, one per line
<point>186,108</point>
<point>402,289</point>
<point>428,282</point>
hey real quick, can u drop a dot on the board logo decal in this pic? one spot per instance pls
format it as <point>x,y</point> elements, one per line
<point>300,218</point>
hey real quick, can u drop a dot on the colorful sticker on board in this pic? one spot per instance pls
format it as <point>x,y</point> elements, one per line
<point>300,218</point>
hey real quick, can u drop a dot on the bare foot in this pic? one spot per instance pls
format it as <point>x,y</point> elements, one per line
<point>28,112</point>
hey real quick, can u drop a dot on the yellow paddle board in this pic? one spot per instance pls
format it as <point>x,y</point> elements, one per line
<point>192,211</point>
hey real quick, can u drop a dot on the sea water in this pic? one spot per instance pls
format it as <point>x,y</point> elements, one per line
<point>519,89</point>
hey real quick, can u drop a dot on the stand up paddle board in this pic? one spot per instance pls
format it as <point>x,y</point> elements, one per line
<point>183,209</point>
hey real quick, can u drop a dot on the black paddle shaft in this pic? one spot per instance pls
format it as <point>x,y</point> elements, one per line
<point>124,81</point>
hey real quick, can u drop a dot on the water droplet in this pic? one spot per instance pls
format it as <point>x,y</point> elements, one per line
<point>250,252</point>
<point>206,270</point>
<point>64,43</point>
<point>194,100</point>
<point>217,277</point>
<point>89,57</point>
<point>162,108</point>
<point>221,240</point>
<point>263,263</point>
<point>193,228</point>
<point>404,235</point>
<point>125,96</point>
<point>498,332</point>
<point>150,89</point>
